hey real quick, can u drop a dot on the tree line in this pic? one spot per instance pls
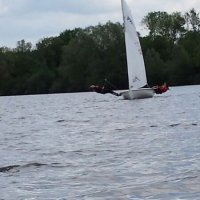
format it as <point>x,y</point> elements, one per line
<point>77,58</point>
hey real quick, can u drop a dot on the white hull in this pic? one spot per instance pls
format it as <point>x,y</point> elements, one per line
<point>138,94</point>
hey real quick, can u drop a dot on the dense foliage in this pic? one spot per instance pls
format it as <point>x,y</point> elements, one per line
<point>77,58</point>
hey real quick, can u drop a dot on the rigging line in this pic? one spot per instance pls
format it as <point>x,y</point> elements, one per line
<point>110,84</point>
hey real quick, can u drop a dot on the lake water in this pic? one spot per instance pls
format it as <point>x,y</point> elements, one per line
<point>87,146</point>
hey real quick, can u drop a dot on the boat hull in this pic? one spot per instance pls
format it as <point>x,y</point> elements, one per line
<point>138,94</point>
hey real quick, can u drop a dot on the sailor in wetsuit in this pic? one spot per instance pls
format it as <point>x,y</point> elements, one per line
<point>103,90</point>
<point>160,89</point>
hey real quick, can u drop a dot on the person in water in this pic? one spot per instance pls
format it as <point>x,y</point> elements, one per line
<point>103,90</point>
<point>160,89</point>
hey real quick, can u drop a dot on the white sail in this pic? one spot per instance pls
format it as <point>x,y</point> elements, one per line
<point>135,61</point>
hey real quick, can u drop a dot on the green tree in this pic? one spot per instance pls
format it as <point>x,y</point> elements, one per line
<point>179,67</point>
<point>191,44</point>
<point>78,58</point>
<point>111,57</point>
<point>170,26</point>
<point>41,81</point>
<point>155,68</point>
<point>192,20</point>
<point>23,46</point>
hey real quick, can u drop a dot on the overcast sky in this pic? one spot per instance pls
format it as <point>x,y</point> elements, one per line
<point>35,19</point>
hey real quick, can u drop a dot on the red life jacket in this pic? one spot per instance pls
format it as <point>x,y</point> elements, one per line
<point>164,88</point>
<point>161,89</point>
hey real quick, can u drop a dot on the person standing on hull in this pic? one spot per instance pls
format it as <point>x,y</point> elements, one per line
<point>159,89</point>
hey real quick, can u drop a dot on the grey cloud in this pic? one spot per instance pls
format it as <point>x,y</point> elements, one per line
<point>73,6</point>
<point>34,19</point>
<point>19,7</point>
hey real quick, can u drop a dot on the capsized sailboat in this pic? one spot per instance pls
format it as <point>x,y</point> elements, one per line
<point>135,62</point>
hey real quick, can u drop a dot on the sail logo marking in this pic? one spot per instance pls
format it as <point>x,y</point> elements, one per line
<point>129,20</point>
<point>135,79</point>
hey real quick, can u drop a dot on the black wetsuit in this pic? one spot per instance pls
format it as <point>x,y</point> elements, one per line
<point>103,90</point>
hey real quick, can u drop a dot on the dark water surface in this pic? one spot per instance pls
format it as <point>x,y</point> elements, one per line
<point>98,147</point>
